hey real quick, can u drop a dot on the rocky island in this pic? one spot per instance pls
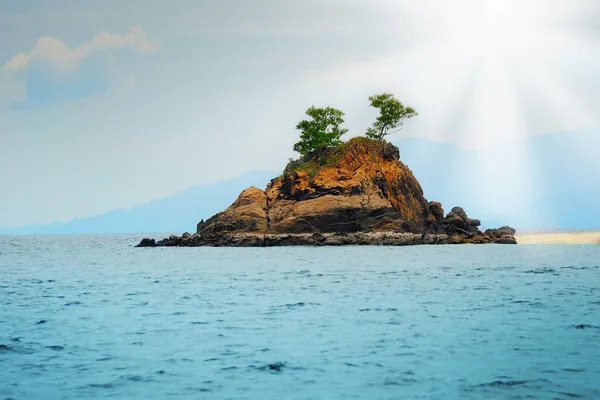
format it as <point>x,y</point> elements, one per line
<point>340,193</point>
<point>355,193</point>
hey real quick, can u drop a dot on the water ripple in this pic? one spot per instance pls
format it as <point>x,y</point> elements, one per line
<point>92,317</point>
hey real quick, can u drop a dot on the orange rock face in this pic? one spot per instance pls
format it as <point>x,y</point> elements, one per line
<point>247,214</point>
<point>362,186</point>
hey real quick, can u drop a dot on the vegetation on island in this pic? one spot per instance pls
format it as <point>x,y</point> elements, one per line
<point>392,114</point>
<point>321,131</point>
<point>321,143</point>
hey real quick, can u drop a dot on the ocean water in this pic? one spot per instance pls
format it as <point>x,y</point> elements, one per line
<point>91,317</point>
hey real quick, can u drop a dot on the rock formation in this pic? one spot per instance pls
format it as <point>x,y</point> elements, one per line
<point>358,193</point>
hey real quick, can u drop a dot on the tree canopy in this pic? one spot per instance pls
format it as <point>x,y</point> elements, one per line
<point>321,131</point>
<point>392,114</point>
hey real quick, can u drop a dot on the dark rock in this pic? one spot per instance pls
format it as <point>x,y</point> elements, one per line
<point>507,230</point>
<point>456,220</point>
<point>500,232</point>
<point>171,241</point>
<point>390,152</point>
<point>464,232</point>
<point>460,212</point>
<point>506,239</point>
<point>147,242</point>
<point>318,237</point>
<point>492,233</point>
<point>473,222</point>
<point>437,210</point>
<point>473,229</point>
<point>409,227</point>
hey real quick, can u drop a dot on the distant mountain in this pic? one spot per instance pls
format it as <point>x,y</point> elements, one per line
<point>564,169</point>
<point>178,213</point>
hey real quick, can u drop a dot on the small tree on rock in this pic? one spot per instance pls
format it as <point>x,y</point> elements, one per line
<point>392,114</point>
<point>321,131</point>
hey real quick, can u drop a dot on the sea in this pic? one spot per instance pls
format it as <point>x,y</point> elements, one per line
<point>93,317</point>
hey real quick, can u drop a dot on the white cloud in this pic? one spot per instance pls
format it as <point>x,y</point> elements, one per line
<point>61,55</point>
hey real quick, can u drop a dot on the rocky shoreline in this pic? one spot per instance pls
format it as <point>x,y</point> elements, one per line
<point>503,235</point>
<point>357,194</point>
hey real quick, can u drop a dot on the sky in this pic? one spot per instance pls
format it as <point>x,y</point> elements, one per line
<point>111,104</point>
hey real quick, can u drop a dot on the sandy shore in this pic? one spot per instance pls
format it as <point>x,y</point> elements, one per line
<point>559,238</point>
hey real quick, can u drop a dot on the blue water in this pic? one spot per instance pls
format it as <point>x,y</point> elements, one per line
<point>88,317</point>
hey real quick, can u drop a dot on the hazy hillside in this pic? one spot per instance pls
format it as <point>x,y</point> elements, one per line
<point>566,194</point>
<point>178,213</point>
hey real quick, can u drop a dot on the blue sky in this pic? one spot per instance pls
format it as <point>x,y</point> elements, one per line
<point>109,104</point>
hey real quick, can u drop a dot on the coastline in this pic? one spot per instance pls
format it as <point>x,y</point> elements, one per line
<point>389,238</point>
<point>559,238</point>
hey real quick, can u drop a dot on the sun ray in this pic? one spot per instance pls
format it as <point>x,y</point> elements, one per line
<point>513,49</point>
<point>563,110</point>
<point>501,174</point>
<point>487,78</point>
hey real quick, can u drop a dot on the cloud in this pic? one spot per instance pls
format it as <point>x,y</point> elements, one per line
<point>52,71</point>
<point>61,55</point>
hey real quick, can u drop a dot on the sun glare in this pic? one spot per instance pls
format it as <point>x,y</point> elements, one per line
<point>496,21</point>
<point>505,55</point>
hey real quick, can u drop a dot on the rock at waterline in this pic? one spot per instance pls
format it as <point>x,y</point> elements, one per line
<point>146,242</point>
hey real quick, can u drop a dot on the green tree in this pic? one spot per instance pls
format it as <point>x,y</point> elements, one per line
<point>321,131</point>
<point>392,114</point>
